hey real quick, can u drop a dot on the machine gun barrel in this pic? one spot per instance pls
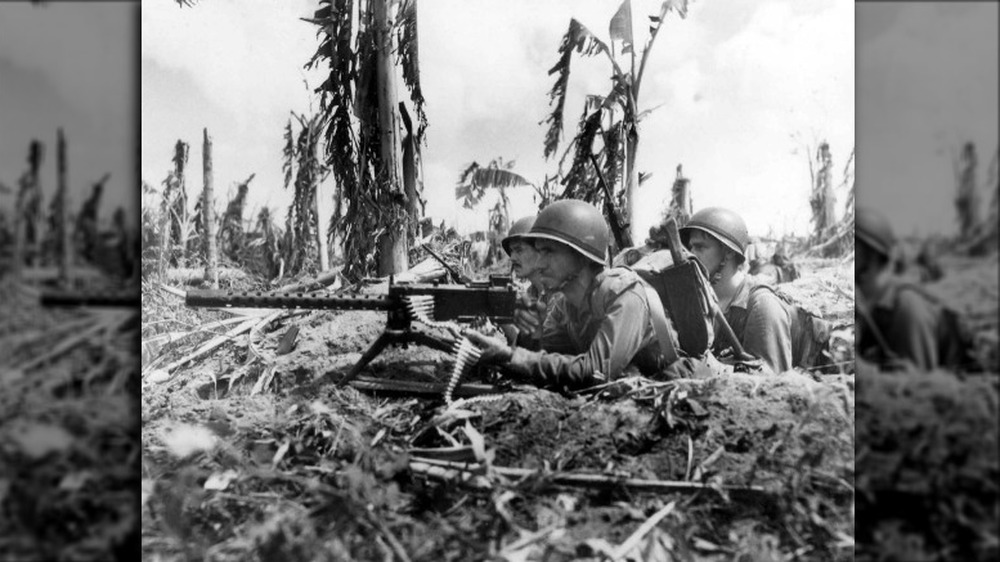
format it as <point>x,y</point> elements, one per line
<point>463,302</point>
<point>227,299</point>
<point>123,299</point>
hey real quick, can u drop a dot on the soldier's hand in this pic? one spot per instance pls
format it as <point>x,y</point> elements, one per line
<point>528,315</point>
<point>494,350</point>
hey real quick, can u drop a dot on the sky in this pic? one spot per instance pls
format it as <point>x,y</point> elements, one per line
<point>70,65</point>
<point>927,82</point>
<point>743,90</point>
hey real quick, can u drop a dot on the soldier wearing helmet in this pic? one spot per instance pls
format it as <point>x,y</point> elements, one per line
<point>718,238</point>
<point>604,319</point>
<point>522,254</point>
<point>894,324</point>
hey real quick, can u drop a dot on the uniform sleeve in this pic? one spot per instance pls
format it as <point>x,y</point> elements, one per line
<point>912,333</point>
<point>768,333</point>
<point>620,336</point>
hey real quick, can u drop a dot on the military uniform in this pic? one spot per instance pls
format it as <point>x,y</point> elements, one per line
<point>762,323</point>
<point>911,325</point>
<point>597,341</point>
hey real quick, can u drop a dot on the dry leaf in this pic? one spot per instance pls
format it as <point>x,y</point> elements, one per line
<point>148,486</point>
<point>186,439</point>
<point>221,480</point>
<point>158,376</point>
<point>477,441</point>
<point>38,440</point>
<point>75,480</point>
<point>10,376</point>
<point>280,454</point>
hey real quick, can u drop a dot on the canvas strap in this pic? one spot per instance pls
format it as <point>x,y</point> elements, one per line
<point>661,325</point>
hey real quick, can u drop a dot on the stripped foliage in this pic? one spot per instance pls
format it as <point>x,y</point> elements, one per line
<point>301,163</point>
<point>231,234</point>
<point>614,118</point>
<point>372,201</point>
<point>408,60</point>
<point>476,179</point>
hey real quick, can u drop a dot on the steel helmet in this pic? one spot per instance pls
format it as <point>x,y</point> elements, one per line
<point>517,230</point>
<point>872,228</point>
<point>724,225</point>
<point>577,224</point>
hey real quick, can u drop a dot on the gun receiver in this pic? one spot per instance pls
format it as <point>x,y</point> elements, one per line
<point>404,303</point>
<point>122,299</point>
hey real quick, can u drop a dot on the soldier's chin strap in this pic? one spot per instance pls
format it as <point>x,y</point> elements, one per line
<point>717,274</point>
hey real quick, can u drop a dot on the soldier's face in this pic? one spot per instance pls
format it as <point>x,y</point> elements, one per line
<point>557,263</point>
<point>523,258</point>
<point>708,250</point>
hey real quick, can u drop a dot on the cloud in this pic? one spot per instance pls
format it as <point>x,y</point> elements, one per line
<point>721,74</point>
<point>246,56</point>
<point>927,83</point>
<point>85,51</point>
<point>70,67</point>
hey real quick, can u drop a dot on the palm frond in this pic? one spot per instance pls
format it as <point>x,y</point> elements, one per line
<point>288,154</point>
<point>475,180</point>
<point>408,60</point>
<point>577,38</point>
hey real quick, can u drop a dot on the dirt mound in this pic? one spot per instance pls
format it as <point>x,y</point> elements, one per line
<point>928,465</point>
<point>760,466</point>
<point>68,451</point>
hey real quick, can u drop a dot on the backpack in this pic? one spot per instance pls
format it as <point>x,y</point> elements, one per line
<point>810,332</point>
<point>683,297</point>
<point>956,338</point>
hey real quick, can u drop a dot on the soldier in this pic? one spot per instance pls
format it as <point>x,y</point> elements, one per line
<point>759,319</point>
<point>604,320</point>
<point>894,324</point>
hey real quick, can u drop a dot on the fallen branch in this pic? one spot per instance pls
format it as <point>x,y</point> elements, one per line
<point>173,290</point>
<point>451,471</point>
<point>65,346</point>
<point>257,328</point>
<point>188,275</point>
<point>445,474</point>
<point>211,345</point>
<point>646,527</point>
<point>844,230</point>
<point>320,282</point>
<point>527,540</point>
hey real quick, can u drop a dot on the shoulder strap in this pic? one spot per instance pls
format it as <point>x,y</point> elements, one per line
<point>660,324</point>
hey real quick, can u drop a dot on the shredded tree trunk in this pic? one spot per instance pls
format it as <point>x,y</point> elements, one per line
<point>393,245</point>
<point>211,251</point>
<point>822,198</point>
<point>178,212</point>
<point>163,260</point>
<point>62,216</point>
<point>967,199</point>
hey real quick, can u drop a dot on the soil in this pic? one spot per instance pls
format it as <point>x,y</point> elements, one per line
<point>69,443</point>
<point>318,472</point>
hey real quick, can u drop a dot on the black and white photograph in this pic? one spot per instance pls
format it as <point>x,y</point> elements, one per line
<point>69,281</point>
<point>498,280</point>
<point>927,307</point>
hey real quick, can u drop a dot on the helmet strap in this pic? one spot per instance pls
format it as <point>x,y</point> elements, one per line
<point>717,274</point>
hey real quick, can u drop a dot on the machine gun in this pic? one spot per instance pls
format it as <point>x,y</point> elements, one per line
<point>437,305</point>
